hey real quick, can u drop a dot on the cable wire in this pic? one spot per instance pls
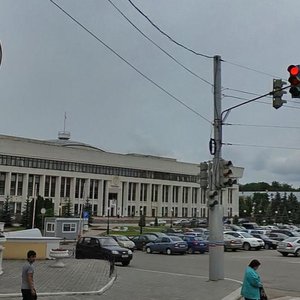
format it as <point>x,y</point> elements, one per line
<point>128,63</point>
<point>168,36</point>
<point>262,126</point>
<point>155,44</point>
<point>260,146</point>
<point>251,69</point>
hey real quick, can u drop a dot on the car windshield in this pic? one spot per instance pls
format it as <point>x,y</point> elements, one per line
<point>291,239</point>
<point>246,235</point>
<point>175,238</point>
<point>108,242</point>
<point>122,238</point>
<point>151,237</point>
<point>198,238</point>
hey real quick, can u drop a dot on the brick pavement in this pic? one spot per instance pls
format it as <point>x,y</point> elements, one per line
<point>77,277</point>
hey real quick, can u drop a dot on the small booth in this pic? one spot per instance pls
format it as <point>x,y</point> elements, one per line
<point>64,228</point>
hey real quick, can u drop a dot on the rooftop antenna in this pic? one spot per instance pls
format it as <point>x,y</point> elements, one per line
<point>64,135</point>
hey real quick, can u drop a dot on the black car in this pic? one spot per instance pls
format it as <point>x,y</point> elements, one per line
<point>269,243</point>
<point>102,248</point>
<point>141,240</point>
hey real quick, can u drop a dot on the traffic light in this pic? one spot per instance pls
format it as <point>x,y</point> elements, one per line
<point>227,176</point>
<point>211,198</point>
<point>294,80</point>
<point>203,175</point>
<point>278,93</point>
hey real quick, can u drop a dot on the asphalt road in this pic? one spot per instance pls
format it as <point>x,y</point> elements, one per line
<point>177,277</point>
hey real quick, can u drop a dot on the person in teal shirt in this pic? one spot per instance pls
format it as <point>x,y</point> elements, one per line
<point>251,283</point>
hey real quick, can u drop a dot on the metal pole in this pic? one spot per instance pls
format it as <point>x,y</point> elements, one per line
<point>34,205</point>
<point>216,239</point>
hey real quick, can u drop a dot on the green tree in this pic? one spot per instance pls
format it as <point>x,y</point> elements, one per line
<point>26,215</point>
<point>68,209</point>
<point>6,215</point>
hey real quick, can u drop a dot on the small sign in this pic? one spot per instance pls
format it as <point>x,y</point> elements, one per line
<point>85,214</point>
<point>43,211</point>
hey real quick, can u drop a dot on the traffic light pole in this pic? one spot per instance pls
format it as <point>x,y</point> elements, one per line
<point>216,239</point>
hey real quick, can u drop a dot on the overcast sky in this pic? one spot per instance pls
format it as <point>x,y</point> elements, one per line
<point>51,65</point>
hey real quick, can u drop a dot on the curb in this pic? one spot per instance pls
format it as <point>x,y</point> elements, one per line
<point>99,292</point>
<point>235,295</point>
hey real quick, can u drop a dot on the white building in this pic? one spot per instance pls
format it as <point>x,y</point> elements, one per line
<point>121,184</point>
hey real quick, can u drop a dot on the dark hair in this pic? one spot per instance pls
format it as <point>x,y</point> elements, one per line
<point>31,253</point>
<point>254,263</point>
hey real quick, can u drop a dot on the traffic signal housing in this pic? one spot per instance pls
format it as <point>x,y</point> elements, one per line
<point>294,80</point>
<point>227,176</point>
<point>211,198</point>
<point>278,93</point>
<point>204,175</point>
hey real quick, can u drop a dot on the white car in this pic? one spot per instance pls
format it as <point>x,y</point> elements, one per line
<point>249,242</point>
<point>160,222</point>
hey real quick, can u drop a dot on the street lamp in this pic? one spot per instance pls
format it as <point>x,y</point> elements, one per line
<point>107,229</point>
<point>172,211</point>
<point>245,212</point>
<point>276,212</point>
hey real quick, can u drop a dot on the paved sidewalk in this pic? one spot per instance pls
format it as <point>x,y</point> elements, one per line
<point>87,276</point>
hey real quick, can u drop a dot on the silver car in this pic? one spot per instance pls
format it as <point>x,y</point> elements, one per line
<point>290,245</point>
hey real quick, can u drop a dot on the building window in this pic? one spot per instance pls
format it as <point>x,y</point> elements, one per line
<point>50,227</point>
<point>175,194</point>
<point>2,183</point>
<point>143,195</point>
<point>132,191</point>
<point>69,227</point>
<point>154,193</point>
<point>165,196</point>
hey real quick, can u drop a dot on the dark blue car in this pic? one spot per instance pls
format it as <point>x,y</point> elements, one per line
<point>196,244</point>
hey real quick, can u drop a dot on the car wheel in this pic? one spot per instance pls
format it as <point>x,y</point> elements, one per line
<point>284,253</point>
<point>246,246</point>
<point>148,250</point>
<point>233,250</point>
<point>125,263</point>
<point>168,251</point>
<point>190,251</point>
<point>267,246</point>
<point>77,255</point>
<point>297,253</point>
<point>225,249</point>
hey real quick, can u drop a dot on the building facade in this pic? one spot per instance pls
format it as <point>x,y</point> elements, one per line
<point>116,184</point>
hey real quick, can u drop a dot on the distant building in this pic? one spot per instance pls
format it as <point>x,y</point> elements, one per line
<point>119,184</point>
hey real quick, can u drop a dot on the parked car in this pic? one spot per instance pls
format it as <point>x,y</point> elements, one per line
<point>277,236</point>
<point>168,245</point>
<point>232,243</point>
<point>249,241</point>
<point>286,232</point>
<point>182,222</point>
<point>195,244</point>
<point>250,225</point>
<point>124,241</point>
<point>102,248</point>
<point>269,243</point>
<point>160,222</point>
<point>158,234</point>
<point>141,240</point>
<point>289,246</point>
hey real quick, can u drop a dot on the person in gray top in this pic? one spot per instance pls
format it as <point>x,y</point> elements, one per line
<point>27,287</point>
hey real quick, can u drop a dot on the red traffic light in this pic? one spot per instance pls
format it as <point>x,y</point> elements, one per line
<point>294,70</point>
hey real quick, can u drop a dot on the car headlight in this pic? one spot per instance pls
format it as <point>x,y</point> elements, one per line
<point>115,252</point>
<point>129,252</point>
